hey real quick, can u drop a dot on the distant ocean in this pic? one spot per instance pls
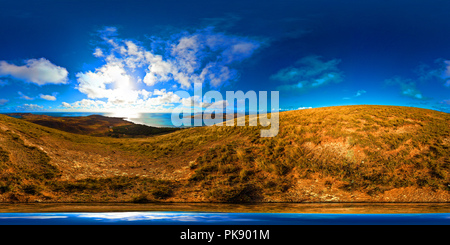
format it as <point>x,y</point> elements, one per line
<point>149,119</point>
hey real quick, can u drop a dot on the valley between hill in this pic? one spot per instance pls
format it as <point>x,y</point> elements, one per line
<point>333,154</point>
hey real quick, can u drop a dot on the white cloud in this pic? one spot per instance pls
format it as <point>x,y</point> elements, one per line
<point>189,58</point>
<point>111,82</point>
<point>30,107</point>
<point>148,101</point>
<point>160,71</point>
<point>86,105</point>
<point>203,56</point>
<point>66,105</point>
<point>164,98</point>
<point>291,109</point>
<point>194,101</point>
<point>38,71</point>
<point>98,53</point>
<point>91,104</point>
<point>145,94</point>
<point>116,83</point>
<point>47,97</point>
<point>218,74</point>
<point>24,97</point>
<point>186,53</point>
<point>159,92</point>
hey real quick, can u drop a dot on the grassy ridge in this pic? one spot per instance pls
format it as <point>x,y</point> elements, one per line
<point>94,125</point>
<point>349,153</point>
<point>367,149</point>
<point>91,125</point>
<point>139,130</point>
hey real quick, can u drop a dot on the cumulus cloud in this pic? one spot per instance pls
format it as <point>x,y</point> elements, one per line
<point>38,71</point>
<point>96,84</point>
<point>89,104</point>
<point>204,55</point>
<point>98,53</point>
<point>30,107</point>
<point>47,97</point>
<point>66,105</point>
<point>167,98</point>
<point>187,58</point>
<point>309,72</point>
<point>159,99</point>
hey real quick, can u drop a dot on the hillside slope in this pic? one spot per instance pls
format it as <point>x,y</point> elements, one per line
<point>94,125</point>
<point>334,154</point>
<point>90,125</point>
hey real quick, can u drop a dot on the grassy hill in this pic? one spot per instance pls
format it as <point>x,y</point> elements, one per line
<point>94,125</point>
<point>138,130</point>
<point>334,154</point>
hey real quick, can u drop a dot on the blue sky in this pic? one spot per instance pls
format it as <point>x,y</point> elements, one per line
<point>124,56</point>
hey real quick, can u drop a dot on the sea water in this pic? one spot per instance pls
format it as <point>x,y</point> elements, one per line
<point>207,218</point>
<point>149,119</point>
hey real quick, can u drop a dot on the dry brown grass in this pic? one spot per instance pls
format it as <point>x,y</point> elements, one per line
<point>335,154</point>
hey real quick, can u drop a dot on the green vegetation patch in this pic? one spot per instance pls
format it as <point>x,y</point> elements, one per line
<point>140,130</point>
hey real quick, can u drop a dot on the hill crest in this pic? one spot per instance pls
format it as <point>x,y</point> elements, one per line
<point>333,154</point>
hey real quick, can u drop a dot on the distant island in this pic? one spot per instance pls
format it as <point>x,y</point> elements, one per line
<point>361,153</point>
